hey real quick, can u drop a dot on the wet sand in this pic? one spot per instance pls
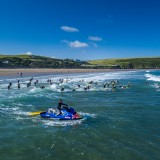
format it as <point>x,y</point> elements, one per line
<point>15,72</point>
<point>28,71</point>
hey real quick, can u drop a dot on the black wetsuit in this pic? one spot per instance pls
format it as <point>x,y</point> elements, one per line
<point>59,106</point>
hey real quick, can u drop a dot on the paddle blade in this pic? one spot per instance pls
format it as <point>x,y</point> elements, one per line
<point>35,113</point>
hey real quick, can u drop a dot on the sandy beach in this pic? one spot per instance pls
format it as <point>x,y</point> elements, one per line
<point>15,72</point>
<point>28,71</point>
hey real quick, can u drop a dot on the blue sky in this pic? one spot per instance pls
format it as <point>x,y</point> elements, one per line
<point>80,29</point>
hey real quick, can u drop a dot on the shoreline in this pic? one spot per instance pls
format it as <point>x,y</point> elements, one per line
<point>15,72</point>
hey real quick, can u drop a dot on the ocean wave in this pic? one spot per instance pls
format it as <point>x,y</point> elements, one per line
<point>151,77</point>
<point>68,79</point>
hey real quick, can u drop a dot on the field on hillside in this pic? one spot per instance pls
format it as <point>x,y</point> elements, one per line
<point>128,62</point>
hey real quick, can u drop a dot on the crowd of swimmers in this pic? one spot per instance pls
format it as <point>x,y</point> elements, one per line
<point>81,85</point>
<point>112,85</point>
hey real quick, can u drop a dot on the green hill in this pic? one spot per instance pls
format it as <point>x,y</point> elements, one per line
<point>33,61</point>
<point>127,63</point>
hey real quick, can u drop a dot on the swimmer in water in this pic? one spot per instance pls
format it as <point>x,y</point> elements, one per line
<point>19,86</point>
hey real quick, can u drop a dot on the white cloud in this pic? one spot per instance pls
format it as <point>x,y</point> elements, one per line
<point>69,29</point>
<point>29,53</point>
<point>77,44</point>
<point>92,38</point>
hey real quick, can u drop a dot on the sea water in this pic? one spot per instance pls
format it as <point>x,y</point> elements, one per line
<point>120,123</point>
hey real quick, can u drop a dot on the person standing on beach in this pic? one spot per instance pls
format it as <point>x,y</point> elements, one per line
<point>20,74</point>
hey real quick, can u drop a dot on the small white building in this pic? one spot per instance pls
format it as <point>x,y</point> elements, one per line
<point>5,62</point>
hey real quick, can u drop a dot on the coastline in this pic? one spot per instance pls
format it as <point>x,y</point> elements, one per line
<point>15,72</point>
<point>30,72</point>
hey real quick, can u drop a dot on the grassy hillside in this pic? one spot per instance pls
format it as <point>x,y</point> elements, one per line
<point>32,61</point>
<point>127,63</point>
<point>12,56</point>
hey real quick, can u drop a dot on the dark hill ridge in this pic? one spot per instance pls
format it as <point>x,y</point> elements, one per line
<point>34,61</point>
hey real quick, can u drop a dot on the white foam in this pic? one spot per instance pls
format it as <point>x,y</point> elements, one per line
<point>53,86</point>
<point>155,85</point>
<point>53,122</point>
<point>87,115</point>
<point>21,113</point>
<point>151,77</point>
<point>9,109</point>
<point>69,82</point>
<point>33,90</point>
